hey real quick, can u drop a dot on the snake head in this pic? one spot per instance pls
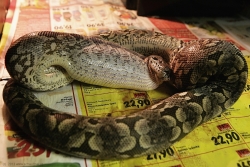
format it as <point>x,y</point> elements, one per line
<point>158,68</point>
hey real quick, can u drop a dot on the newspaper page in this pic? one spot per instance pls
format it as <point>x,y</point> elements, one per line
<point>223,141</point>
<point>239,29</point>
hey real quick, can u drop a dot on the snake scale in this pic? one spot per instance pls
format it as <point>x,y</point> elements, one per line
<point>210,75</point>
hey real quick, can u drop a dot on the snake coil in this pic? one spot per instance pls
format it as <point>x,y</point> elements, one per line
<point>210,73</point>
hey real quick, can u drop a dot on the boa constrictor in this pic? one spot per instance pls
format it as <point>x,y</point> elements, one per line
<point>210,74</point>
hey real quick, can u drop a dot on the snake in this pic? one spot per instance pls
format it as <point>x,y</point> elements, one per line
<point>210,75</point>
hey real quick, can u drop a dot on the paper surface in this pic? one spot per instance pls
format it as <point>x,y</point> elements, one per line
<point>224,141</point>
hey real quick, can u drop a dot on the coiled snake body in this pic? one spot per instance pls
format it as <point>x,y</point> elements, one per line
<point>210,74</point>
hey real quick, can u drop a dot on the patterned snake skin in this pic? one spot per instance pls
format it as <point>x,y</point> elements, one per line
<point>210,74</point>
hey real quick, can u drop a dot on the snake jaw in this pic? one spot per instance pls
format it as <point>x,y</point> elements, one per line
<point>158,68</point>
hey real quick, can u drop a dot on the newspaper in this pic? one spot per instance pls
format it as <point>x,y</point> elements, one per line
<point>224,141</point>
<point>239,29</point>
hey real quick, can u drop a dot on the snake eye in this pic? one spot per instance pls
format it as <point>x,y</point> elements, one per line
<point>155,58</point>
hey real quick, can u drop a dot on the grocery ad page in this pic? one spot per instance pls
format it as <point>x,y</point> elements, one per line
<point>223,141</point>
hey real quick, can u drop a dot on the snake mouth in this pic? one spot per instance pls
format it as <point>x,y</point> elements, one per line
<point>51,77</point>
<point>158,68</point>
<point>54,70</point>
